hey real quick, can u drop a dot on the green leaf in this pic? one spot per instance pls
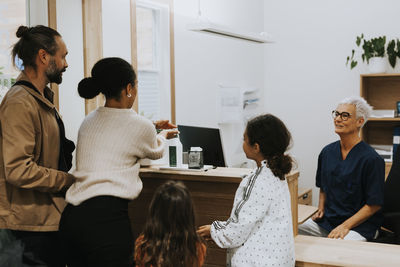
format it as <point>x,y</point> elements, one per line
<point>353,64</point>
<point>398,48</point>
<point>392,60</point>
<point>358,41</point>
<point>377,46</point>
<point>391,46</point>
<point>392,53</point>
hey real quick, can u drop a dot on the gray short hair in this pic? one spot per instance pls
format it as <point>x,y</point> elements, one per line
<point>363,109</point>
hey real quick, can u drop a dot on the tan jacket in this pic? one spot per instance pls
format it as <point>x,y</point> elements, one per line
<point>29,149</point>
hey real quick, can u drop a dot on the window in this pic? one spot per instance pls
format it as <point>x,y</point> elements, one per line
<point>12,15</point>
<point>153,56</point>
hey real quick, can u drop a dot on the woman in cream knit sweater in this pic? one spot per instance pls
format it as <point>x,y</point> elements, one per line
<point>112,139</point>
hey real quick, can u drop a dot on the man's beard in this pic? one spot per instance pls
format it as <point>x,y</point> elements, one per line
<point>53,74</point>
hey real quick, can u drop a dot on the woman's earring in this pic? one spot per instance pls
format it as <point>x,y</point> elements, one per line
<point>128,95</point>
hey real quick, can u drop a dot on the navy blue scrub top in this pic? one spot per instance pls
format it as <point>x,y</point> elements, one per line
<point>350,184</point>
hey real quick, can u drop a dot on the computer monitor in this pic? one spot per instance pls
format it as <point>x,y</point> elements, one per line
<point>209,139</point>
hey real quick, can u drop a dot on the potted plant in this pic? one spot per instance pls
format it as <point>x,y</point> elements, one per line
<point>373,53</point>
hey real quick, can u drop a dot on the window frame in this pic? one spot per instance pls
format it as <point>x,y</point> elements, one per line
<point>161,56</point>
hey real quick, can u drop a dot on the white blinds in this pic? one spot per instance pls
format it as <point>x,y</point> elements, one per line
<point>149,94</point>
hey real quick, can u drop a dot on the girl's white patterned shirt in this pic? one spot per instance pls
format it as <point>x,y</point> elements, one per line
<point>259,230</point>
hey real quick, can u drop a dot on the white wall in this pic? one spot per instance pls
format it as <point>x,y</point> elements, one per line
<point>116,29</point>
<point>72,106</point>
<point>37,14</point>
<point>202,61</point>
<point>69,25</point>
<point>305,72</point>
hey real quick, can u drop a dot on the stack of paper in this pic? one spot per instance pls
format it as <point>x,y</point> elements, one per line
<point>385,151</point>
<point>383,113</point>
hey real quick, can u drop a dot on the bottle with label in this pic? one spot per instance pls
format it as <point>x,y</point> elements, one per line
<point>196,158</point>
<point>174,152</point>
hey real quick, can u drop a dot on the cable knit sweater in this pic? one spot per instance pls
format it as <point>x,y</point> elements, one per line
<point>111,141</point>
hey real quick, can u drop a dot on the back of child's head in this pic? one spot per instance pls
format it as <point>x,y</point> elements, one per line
<point>172,208</point>
<point>169,236</point>
<point>273,138</point>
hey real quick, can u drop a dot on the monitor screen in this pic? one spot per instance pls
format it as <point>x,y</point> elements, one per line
<point>209,139</point>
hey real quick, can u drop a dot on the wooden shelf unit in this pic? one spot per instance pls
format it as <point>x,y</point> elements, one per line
<point>381,91</point>
<point>385,119</point>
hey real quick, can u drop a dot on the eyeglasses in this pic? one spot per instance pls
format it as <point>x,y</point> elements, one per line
<point>344,115</point>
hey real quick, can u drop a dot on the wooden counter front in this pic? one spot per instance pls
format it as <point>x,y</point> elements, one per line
<point>212,191</point>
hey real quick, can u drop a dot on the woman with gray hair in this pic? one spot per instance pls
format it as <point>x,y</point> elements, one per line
<point>363,109</point>
<point>350,176</point>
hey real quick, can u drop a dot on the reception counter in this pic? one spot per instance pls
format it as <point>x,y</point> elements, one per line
<point>213,193</point>
<point>326,252</point>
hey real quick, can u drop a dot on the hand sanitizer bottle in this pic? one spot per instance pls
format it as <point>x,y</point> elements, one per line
<point>175,152</point>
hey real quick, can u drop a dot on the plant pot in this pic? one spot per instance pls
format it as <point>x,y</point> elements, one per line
<point>377,65</point>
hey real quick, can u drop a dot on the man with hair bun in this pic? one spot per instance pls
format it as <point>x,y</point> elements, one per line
<point>35,155</point>
<point>350,176</point>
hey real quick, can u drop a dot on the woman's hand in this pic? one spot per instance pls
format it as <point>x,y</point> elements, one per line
<point>204,231</point>
<point>168,134</point>
<point>164,124</point>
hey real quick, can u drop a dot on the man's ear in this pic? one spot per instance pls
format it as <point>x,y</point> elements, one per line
<point>43,56</point>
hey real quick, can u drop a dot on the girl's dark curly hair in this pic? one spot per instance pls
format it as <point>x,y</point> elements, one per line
<point>169,236</point>
<point>271,134</point>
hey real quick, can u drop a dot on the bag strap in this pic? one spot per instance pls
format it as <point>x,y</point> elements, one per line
<point>27,84</point>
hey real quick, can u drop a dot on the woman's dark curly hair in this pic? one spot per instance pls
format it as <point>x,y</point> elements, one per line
<point>271,134</point>
<point>169,236</point>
